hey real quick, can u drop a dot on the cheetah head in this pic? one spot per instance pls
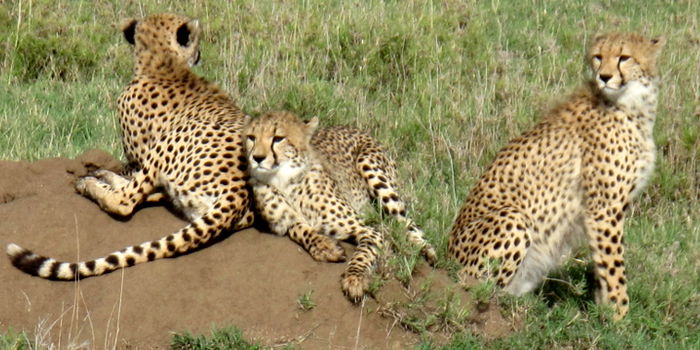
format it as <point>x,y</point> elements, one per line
<point>623,63</point>
<point>165,33</point>
<point>277,146</point>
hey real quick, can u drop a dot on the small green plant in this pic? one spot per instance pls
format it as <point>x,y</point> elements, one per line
<point>305,302</point>
<point>375,284</point>
<point>220,339</point>
<point>483,292</point>
<point>15,341</point>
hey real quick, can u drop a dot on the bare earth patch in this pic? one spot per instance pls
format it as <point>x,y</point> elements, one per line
<point>250,280</point>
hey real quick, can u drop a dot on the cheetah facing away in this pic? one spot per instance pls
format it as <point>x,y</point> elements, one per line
<point>569,179</point>
<point>182,138</point>
<point>311,184</point>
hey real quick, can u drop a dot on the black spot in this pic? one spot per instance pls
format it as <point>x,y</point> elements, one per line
<point>380,186</point>
<point>155,245</point>
<point>171,247</point>
<point>112,260</point>
<point>54,270</point>
<point>138,250</point>
<point>90,265</point>
<point>130,261</point>
<point>151,256</point>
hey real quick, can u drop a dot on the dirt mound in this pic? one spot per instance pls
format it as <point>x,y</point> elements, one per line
<point>251,280</point>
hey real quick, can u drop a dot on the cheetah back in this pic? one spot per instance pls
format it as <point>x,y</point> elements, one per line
<point>182,136</point>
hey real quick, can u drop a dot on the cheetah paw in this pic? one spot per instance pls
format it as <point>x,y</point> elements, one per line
<point>110,178</point>
<point>354,287</point>
<point>83,185</point>
<point>429,254</point>
<point>327,249</point>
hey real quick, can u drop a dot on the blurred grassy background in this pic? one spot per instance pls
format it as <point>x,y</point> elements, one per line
<point>444,84</point>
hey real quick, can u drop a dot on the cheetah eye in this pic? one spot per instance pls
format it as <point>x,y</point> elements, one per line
<point>251,138</point>
<point>598,58</point>
<point>624,58</point>
<point>277,139</point>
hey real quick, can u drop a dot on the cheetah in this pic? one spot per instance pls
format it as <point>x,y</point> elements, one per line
<point>182,140</point>
<point>569,179</point>
<point>311,184</point>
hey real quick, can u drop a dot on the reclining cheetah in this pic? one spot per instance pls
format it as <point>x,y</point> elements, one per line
<point>311,184</point>
<point>569,178</point>
<point>182,136</point>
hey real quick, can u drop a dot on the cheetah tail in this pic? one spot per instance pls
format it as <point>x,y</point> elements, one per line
<point>185,240</point>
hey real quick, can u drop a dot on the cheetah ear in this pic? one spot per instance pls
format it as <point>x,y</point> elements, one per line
<point>185,31</point>
<point>597,37</point>
<point>312,124</point>
<point>129,30</point>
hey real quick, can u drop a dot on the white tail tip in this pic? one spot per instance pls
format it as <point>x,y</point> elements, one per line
<point>13,249</point>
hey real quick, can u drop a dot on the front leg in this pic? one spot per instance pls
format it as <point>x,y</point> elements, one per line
<point>604,226</point>
<point>285,219</point>
<point>355,280</point>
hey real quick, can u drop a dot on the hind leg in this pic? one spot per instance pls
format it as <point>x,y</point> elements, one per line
<point>116,194</point>
<point>120,181</point>
<point>379,172</point>
<point>495,246</point>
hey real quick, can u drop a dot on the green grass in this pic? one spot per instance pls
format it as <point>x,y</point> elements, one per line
<point>14,341</point>
<point>306,302</point>
<point>444,84</point>
<point>220,339</point>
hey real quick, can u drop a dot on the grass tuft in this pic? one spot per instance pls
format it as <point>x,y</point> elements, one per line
<point>220,339</point>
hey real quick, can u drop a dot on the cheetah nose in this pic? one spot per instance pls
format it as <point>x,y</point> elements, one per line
<point>258,159</point>
<point>605,78</point>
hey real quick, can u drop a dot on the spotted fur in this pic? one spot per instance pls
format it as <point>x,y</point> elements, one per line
<point>568,180</point>
<point>311,185</point>
<point>182,140</point>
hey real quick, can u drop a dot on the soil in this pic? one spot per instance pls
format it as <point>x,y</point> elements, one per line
<point>250,280</point>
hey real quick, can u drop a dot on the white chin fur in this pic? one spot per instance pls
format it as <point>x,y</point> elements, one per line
<point>278,176</point>
<point>263,175</point>
<point>630,95</point>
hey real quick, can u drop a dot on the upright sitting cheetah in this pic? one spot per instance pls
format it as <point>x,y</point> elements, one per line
<point>182,137</point>
<point>569,178</point>
<point>312,184</point>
